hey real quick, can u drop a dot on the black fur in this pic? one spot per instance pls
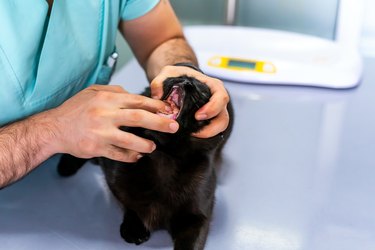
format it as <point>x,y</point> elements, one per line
<point>174,186</point>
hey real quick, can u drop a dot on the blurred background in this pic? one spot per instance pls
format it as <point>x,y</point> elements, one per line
<point>316,18</point>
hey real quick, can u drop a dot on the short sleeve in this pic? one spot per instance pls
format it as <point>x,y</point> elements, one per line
<point>131,9</point>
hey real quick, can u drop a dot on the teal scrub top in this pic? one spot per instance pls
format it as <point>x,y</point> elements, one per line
<point>45,59</point>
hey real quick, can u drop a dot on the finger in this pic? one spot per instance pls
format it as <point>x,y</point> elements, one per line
<point>216,126</point>
<point>211,109</point>
<point>156,86</point>
<point>109,88</point>
<point>131,101</point>
<point>218,100</point>
<point>216,87</point>
<point>125,140</point>
<point>123,155</point>
<point>214,107</point>
<point>144,119</point>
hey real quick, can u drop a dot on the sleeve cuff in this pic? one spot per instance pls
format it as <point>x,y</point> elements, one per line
<point>133,9</point>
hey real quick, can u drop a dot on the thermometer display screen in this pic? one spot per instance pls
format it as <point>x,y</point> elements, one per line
<point>241,64</point>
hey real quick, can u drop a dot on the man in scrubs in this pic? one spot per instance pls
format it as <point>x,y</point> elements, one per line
<point>56,58</point>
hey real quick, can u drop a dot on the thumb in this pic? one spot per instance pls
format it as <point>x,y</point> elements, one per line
<point>157,87</point>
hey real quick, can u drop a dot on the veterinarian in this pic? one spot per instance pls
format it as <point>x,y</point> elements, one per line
<point>56,58</point>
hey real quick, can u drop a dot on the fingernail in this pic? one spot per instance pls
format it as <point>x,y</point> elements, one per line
<point>201,117</point>
<point>173,126</point>
<point>139,156</point>
<point>153,147</point>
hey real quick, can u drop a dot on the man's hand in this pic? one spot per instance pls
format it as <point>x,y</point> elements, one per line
<point>216,108</point>
<point>154,46</point>
<point>88,123</point>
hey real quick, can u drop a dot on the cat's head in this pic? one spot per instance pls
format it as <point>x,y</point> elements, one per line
<point>185,95</point>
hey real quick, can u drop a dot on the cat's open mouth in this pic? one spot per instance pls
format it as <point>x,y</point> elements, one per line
<point>175,100</point>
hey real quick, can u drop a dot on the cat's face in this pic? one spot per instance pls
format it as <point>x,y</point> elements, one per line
<point>185,95</point>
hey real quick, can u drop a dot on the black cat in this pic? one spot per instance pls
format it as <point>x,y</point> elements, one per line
<point>174,186</point>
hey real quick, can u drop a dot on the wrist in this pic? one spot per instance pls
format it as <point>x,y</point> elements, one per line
<point>47,132</point>
<point>189,65</point>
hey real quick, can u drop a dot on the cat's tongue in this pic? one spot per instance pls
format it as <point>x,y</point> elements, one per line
<point>174,101</point>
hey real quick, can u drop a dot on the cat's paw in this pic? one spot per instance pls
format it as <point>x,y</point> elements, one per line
<point>134,232</point>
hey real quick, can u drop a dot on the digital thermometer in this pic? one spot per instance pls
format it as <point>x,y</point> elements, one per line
<point>262,56</point>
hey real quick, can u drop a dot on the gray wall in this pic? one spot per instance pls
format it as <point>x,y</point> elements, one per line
<point>315,17</point>
<point>200,11</point>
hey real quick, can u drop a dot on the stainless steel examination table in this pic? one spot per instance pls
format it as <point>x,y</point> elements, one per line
<point>299,173</point>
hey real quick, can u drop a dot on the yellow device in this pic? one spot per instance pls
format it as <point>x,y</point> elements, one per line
<point>241,64</point>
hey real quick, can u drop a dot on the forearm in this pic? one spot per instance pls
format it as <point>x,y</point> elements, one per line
<point>23,146</point>
<point>170,52</point>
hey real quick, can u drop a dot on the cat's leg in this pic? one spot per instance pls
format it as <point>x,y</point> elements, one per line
<point>69,165</point>
<point>189,231</point>
<point>132,228</point>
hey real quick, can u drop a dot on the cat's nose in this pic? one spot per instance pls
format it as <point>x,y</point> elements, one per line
<point>188,84</point>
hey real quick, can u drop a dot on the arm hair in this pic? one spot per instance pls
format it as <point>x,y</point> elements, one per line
<point>23,146</point>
